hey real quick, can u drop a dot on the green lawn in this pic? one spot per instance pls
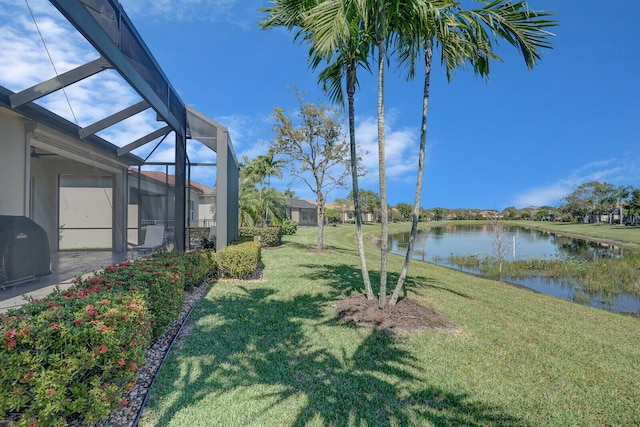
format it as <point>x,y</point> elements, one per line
<point>271,353</point>
<point>617,232</point>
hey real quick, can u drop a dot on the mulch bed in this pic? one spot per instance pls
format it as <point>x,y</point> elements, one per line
<point>405,316</point>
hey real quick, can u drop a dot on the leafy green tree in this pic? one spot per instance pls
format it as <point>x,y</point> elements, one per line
<point>272,206</point>
<point>426,215</point>
<point>332,215</point>
<point>440,213</point>
<point>248,203</point>
<point>315,150</point>
<point>510,213</point>
<point>589,200</point>
<point>622,194</point>
<point>370,203</point>
<point>344,206</point>
<point>544,213</point>
<point>634,203</point>
<point>405,210</point>
<point>344,54</point>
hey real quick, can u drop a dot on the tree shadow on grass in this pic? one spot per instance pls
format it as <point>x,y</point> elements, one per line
<point>347,280</point>
<point>249,339</point>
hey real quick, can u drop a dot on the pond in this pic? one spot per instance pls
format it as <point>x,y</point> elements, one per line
<point>436,244</point>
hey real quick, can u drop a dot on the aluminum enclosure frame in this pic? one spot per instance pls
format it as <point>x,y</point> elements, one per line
<point>106,26</point>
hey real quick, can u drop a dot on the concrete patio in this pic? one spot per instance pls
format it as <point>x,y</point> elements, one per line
<point>65,266</point>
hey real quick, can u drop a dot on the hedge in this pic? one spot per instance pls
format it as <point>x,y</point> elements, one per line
<point>238,261</point>
<point>268,236</point>
<point>73,354</point>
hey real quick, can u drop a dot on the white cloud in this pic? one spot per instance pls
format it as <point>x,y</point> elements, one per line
<point>27,60</point>
<point>401,151</point>
<point>614,171</point>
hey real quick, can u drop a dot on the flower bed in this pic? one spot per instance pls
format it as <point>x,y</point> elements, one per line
<point>72,355</point>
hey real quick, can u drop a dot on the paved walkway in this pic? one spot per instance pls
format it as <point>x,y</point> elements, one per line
<point>65,266</point>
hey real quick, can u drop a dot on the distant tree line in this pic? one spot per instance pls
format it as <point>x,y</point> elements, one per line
<point>589,202</point>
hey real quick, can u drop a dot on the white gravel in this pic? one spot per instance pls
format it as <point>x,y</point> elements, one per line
<point>126,415</point>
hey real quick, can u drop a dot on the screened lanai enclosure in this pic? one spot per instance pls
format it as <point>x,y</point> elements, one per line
<point>96,144</point>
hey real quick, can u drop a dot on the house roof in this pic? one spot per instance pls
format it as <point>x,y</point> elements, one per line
<point>334,205</point>
<point>163,178</point>
<point>300,204</point>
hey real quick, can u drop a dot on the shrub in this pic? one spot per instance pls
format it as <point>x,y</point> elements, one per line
<point>269,236</point>
<point>289,227</point>
<point>238,261</point>
<point>161,281</point>
<point>332,216</point>
<point>71,355</point>
<point>194,266</point>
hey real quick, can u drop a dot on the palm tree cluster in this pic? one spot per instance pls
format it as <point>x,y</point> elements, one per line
<point>345,36</point>
<point>258,203</point>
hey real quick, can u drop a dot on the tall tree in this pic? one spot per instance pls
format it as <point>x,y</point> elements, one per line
<point>589,199</point>
<point>621,194</point>
<point>267,203</point>
<point>346,32</point>
<point>314,149</point>
<point>463,36</point>
<point>405,210</point>
<point>344,53</point>
<point>634,204</point>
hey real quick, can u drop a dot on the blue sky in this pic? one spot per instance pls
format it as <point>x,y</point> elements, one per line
<point>523,138</point>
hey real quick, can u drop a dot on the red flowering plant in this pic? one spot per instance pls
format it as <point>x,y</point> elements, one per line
<point>60,357</point>
<point>161,283</point>
<point>194,266</point>
<point>74,353</point>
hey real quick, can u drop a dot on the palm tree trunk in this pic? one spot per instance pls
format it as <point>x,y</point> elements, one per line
<point>351,89</point>
<point>428,55</point>
<point>384,220</point>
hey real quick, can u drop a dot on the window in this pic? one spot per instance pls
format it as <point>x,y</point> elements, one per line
<point>192,210</point>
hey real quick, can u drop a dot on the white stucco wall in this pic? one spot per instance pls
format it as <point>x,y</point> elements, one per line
<point>13,165</point>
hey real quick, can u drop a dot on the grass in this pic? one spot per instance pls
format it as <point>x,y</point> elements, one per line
<point>629,235</point>
<point>609,277</point>
<point>271,352</point>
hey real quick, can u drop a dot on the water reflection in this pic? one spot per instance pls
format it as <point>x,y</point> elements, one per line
<point>436,244</point>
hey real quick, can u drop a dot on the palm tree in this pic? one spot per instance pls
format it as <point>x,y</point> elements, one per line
<point>248,203</point>
<point>344,53</point>
<point>622,193</point>
<point>463,38</point>
<point>269,167</point>
<point>345,32</point>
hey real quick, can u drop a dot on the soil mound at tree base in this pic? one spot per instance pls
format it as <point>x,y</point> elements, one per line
<point>406,316</point>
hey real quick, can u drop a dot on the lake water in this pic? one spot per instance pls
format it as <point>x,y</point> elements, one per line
<point>435,244</point>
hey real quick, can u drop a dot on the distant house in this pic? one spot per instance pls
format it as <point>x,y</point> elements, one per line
<point>348,212</point>
<point>301,211</point>
<point>151,196</point>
